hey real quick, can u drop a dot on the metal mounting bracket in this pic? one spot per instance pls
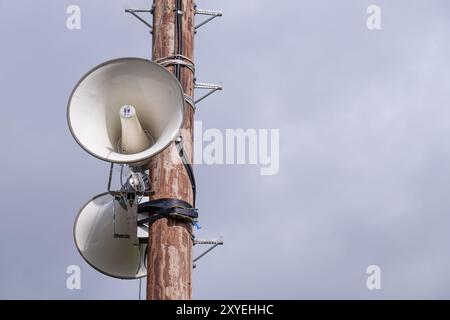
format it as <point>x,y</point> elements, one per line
<point>211,13</point>
<point>208,86</point>
<point>214,243</point>
<point>122,192</point>
<point>135,12</point>
<point>128,198</point>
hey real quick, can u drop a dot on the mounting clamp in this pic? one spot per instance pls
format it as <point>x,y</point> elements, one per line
<point>177,59</point>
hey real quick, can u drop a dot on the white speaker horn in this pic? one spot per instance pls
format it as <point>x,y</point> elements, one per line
<point>126,110</point>
<point>100,231</point>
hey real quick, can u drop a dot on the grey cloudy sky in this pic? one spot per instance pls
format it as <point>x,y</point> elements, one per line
<point>363,116</point>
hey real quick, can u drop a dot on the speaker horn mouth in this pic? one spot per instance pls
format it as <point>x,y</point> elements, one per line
<point>94,107</point>
<point>94,237</point>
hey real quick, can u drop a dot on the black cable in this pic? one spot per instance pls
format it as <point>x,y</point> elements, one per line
<point>190,173</point>
<point>179,36</point>
<point>178,68</point>
<point>180,33</point>
<point>189,170</point>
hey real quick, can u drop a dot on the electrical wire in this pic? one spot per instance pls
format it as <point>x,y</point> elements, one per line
<point>140,290</point>
<point>178,68</point>
<point>178,36</point>
<point>178,50</point>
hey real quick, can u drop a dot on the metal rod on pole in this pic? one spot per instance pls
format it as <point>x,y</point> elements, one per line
<point>206,252</point>
<point>133,12</point>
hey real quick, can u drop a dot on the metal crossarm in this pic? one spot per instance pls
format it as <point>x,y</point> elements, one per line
<point>211,13</point>
<point>135,12</point>
<point>208,86</point>
<point>213,242</point>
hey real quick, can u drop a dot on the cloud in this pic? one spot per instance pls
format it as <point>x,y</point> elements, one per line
<point>363,155</point>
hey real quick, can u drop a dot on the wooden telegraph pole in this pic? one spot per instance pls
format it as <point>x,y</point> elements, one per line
<point>169,265</point>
